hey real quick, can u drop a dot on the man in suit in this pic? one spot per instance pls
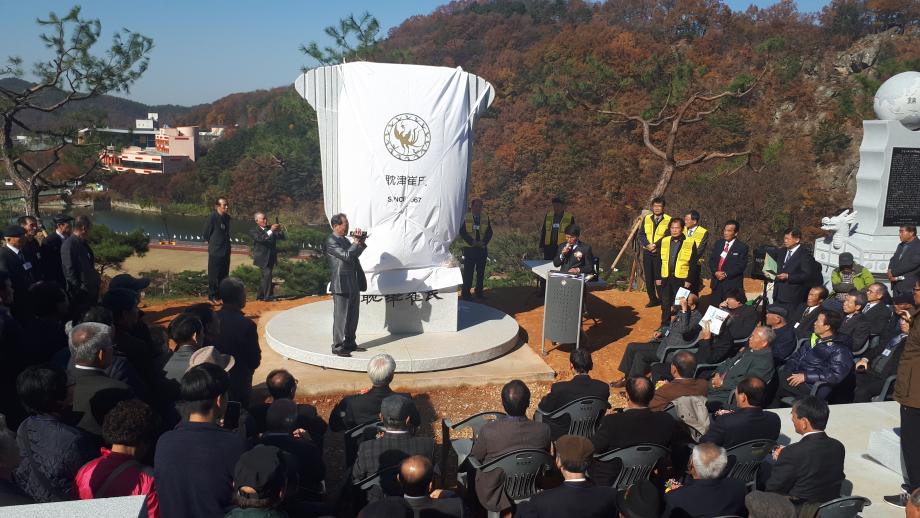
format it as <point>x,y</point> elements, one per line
<point>79,266</point>
<point>827,360</point>
<point>785,341</point>
<point>30,247</point>
<point>811,470</point>
<point>706,493</point>
<point>281,384</point>
<point>654,227</point>
<point>187,331</point>
<point>700,236</point>
<point>396,444</point>
<point>796,271</point>
<point>907,393</point>
<point>347,281</point>
<point>738,325</point>
<point>502,436</point>
<point>217,233</point>
<point>639,356</point>
<point>876,312</point>
<point>854,326</point>
<point>94,393</point>
<point>727,262</point>
<point>51,250</point>
<point>904,266</point>
<point>633,425</point>
<point>748,421</point>
<point>239,337</point>
<point>20,269</point>
<point>574,256</point>
<point>577,496</point>
<point>878,363</point>
<point>754,360</point>
<point>265,253</point>
<point>364,408</point>
<point>683,368</point>
<point>805,315</point>
<point>418,501</point>
<point>677,263</point>
<point>564,392</point>
<point>476,232</point>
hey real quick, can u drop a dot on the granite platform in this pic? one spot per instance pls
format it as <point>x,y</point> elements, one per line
<point>304,334</point>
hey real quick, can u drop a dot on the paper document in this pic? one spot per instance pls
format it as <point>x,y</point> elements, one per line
<point>682,293</point>
<point>769,267</point>
<point>716,318</point>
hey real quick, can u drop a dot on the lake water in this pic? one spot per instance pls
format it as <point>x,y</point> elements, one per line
<point>156,225</point>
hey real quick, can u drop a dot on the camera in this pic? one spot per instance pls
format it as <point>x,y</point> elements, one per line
<point>359,235</point>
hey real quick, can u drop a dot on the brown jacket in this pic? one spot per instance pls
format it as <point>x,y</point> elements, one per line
<point>907,386</point>
<point>678,388</point>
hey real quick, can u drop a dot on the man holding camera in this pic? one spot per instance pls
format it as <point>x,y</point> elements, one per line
<point>346,283</point>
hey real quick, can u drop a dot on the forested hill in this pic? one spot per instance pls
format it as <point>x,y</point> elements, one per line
<point>554,64</point>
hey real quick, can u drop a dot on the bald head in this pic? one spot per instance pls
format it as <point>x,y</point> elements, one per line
<point>692,300</point>
<point>415,475</point>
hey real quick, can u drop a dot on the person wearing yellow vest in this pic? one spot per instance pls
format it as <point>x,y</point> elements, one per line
<point>552,233</point>
<point>693,230</point>
<point>654,227</point>
<point>477,232</point>
<point>677,264</point>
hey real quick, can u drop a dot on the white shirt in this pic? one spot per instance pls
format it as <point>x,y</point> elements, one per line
<point>792,250</point>
<point>87,368</point>
<point>62,235</point>
<point>13,248</point>
<point>804,435</point>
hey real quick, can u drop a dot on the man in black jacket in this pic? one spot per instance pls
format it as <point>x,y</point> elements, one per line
<point>746,423</point>
<point>854,326</point>
<point>415,477</point>
<point>217,233</point>
<point>239,337</point>
<point>707,493</point>
<point>740,323</point>
<point>829,361</point>
<point>14,262</point>
<point>811,470</point>
<point>878,363</point>
<point>727,262</point>
<point>804,316</point>
<point>574,256</point>
<point>78,264</point>
<point>564,392</point>
<point>51,250</point>
<point>796,270</point>
<point>904,265</point>
<point>876,312</point>
<point>265,252</point>
<point>347,281</point>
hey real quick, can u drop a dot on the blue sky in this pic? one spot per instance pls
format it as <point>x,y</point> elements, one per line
<point>205,49</point>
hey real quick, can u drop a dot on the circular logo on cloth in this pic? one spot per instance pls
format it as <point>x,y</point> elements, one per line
<point>407,137</point>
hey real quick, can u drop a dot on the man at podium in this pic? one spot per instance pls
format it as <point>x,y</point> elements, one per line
<point>574,256</point>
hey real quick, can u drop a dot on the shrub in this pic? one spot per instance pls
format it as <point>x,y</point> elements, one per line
<point>250,275</point>
<point>301,278</point>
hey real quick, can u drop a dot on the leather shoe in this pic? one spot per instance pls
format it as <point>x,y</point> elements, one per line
<point>620,383</point>
<point>480,296</point>
<point>353,347</point>
<point>652,304</point>
<point>341,351</point>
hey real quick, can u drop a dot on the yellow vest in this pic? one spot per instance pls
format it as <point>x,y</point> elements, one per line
<point>654,234</point>
<point>682,268</point>
<point>698,235</point>
<point>483,224</point>
<point>563,224</point>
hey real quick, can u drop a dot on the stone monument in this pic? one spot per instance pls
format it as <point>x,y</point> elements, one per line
<point>887,182</point>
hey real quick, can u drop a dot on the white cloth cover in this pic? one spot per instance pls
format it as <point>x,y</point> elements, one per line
<point>396,145</point>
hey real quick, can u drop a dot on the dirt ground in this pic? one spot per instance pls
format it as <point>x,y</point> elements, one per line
<point>175,261</point>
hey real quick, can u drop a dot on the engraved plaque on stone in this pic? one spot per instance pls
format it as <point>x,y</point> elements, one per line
<point>562,310</point>
<point>902,203</point>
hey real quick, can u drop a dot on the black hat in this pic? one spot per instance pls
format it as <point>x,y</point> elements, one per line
<point>261,469</point>
<point>845,259</point>
<point>640,500</point>
<point>778,310</point>
<point>61,219</point>
<point>120,299</point>
<point>14,231</point>
<point>127,282</point>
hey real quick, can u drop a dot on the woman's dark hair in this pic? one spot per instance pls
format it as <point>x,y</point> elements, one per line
<point>41,389</point>
<point>45,297</point>
<point>184,327</point>
<point>130,423</point>
<point>201,386</point>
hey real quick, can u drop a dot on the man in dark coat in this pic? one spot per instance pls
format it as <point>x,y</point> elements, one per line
<point>796,271</point>
<point>785,341</point>
<point>829,361</point>
<point>574,256</point>
<point>564,392</point>
<point>904,266</point>
<point>217,233</point>
<point>754,360</point>
<point>727,262</point>
<point>878,363</point>
<point>706,494</point>
<point>20,269</point>
<point>855,327</point>
<point>740,323</point>
<point>30,247</point>
<point>51,250</point>
<point>239,337</point>
<point>804,316</point>
<point>347,281</point>
<point>748,421</point>
<point>265,252</point>
<point>78,264</point>
<point>876,312</point>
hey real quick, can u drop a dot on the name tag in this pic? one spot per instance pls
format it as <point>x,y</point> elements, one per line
<point>27,265</point>
<point>886,352</point>
<point>556,226</point>
<point>475,227</point>
<point>796,326</point>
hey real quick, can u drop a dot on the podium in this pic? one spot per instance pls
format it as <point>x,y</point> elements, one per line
<point>562,308</point>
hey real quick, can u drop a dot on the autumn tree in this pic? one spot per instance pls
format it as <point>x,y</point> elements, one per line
<point>353,37</point>
<point>73,74</point>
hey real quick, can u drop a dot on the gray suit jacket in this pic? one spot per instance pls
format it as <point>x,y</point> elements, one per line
<point>684,329</point>
<point>346,273</point>
<point>745,363</point>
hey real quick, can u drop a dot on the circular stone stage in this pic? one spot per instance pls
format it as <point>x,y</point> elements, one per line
<point>304,334</point>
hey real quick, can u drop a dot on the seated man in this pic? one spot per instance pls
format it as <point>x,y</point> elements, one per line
<point>783,345</point>
<point>810,470</point>
<point>706,494</point>
<point>639,357</point>
<point>513,432</point>
<point>415,477</point>
<point>748,421</point>
<point>564,392</point>
<point>876,312</point>
<point>259,483</point>
<point>827,361</point>
<point>854,327</point>
<point>878,363</point>
<point>805,315</point>
<point>281,384</point>
<point>577,496</point>
<point>849,276</point>
<point>754,360</point>
<point>683,367</point>
<point>633,425</point>
<point>282,430</point>
<point>740,323</point>
<point>396,444</point>
<point>364,408</point>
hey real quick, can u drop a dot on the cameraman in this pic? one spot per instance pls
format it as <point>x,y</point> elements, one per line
<point>346,283</point>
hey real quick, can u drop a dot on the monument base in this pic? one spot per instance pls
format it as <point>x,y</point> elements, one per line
<point>405,313</point>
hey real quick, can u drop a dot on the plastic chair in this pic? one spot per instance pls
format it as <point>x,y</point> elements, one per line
<point>461,447</point>
<point>843,507</point>
<point>377,478</point>
<point>584,415</point>
<point>705,369</point>
<point>355,436</point>
<point>638,462</point>
<point>521,469</point>
<point>745,459</point>
<point>872,341</point>
<point>885,393</point>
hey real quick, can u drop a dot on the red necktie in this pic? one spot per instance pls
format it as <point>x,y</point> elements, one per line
<point>722,259</point>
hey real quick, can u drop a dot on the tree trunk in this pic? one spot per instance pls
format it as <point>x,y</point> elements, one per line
<point>666,173</point>
<point>31,199</point>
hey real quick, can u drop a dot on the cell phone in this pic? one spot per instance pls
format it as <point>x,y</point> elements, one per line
<point>232,415</point>
<point>276,221</point>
